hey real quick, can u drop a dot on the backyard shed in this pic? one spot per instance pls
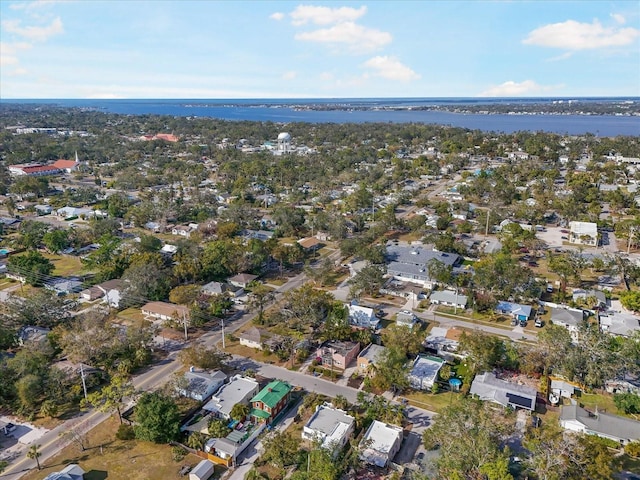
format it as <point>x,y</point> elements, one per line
<point>202,471</point>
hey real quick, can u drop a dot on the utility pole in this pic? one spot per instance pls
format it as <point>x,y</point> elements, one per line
<point>84,383</point>
<point>184,321</point>
<point>486,230</point>
<point>223,345</point>
<point>632,231</point>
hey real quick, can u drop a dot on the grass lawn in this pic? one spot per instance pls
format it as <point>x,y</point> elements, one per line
<point>430,401</point>
<point>603,401</point>
<point>65,265</point>
<point>119,460</point>
<point>131,314</point>
<point>6,283</point>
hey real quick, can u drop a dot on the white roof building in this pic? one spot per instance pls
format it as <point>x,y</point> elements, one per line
<point>238,390</point>
<point>381,443</point>
<point>583,233</point>
<point>201,385</point>
<point>364,317</point>
<point>424,372</point>
<point>329,426</point>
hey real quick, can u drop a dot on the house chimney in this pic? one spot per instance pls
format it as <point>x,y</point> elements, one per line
<point>269,389</point>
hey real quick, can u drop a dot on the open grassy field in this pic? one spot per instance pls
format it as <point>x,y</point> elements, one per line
<point>118,459</point>
<point>430,401</point>
<point>65,265</point>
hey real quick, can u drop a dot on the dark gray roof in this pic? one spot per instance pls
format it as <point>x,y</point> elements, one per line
<point>488,387</point>
<point>568,317</point>
<point>605,424</point>
<point>418,255</point>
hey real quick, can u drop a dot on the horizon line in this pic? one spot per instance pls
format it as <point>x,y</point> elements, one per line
<point>626,97</point>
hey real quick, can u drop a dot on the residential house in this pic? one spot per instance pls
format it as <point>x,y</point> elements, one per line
<point>618,323</point>
<point>262,235</point>
<point>424,372</point>
<point>220,288</point>
<point>337,354</point>
<point>239,390</point>
<point>242,280</point>
<point>594,298</point>
<point>184,230</point>
<point>202,471</point>
<point>362,317</point>
<point>448,298</point>
<point>168,250</point>
<point>330,427</point>
<point>259,339</point>
<point>368,357</point>
<point>310,244</point>
<point>406,318</point>
<point>70,472</point>
<point>270,401</point>
<point>411,264</point>
<point>569,318</point>
<point>560,388</point>
<point>69,212</point>
<point>111,291</point>
<point>583,233</point>
<point>63,286</point>
<point>605,425</point>
<point>522,313</point>
<point>43,209</point>
<point>201,385</point>
<point>490,388</point>
<point>165,311</point>
<point>444,341</point>
<point>380,443</point>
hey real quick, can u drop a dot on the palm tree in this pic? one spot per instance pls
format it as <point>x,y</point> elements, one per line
<point>196,441</point>
<point>34,454</point>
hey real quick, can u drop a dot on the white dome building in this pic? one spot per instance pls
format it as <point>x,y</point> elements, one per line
<point>284,142</point>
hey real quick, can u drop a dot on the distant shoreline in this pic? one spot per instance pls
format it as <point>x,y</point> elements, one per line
<point>574,116</point>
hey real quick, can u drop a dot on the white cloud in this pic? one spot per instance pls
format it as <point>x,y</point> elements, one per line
<point>572,35</point>
<point>619,18</point>
<point>34,33</point>
<point>304,14</point>
<point>289,75</point>
<point>29,6</point>
<point>326,76</point>
<point>9,52</point>
<point>356,37</point>
<point>515,89</point>
<point>276,16</point>
<point>391,68</point>
<point>18,71</point>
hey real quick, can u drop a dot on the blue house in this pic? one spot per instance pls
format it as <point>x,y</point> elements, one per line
<point>517,311</point>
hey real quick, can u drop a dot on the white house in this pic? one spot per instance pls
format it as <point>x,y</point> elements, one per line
<point>448,298</point>
<point>583,233</point>
<point>201,385</point>
<point>424,371</point>
<point>330,427</point>
<point>239,390</point>
<point>617,323</point>
<point>380,443</point>
<point>363,317</point>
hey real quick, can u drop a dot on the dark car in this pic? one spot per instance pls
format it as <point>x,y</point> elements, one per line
<point>523,323</point>
<point>514,322</point>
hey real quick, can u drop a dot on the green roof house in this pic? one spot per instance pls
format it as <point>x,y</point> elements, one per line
<point>270,401</point>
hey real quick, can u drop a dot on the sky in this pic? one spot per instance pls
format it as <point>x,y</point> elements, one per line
<point>271,49</point>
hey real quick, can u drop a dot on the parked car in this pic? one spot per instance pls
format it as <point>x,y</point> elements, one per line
<point>523,323</point>
<point>564,237</point>
<point>9,427</point>
<point>514,322</point>
<point>564,230</point>
<point>539,323</point>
